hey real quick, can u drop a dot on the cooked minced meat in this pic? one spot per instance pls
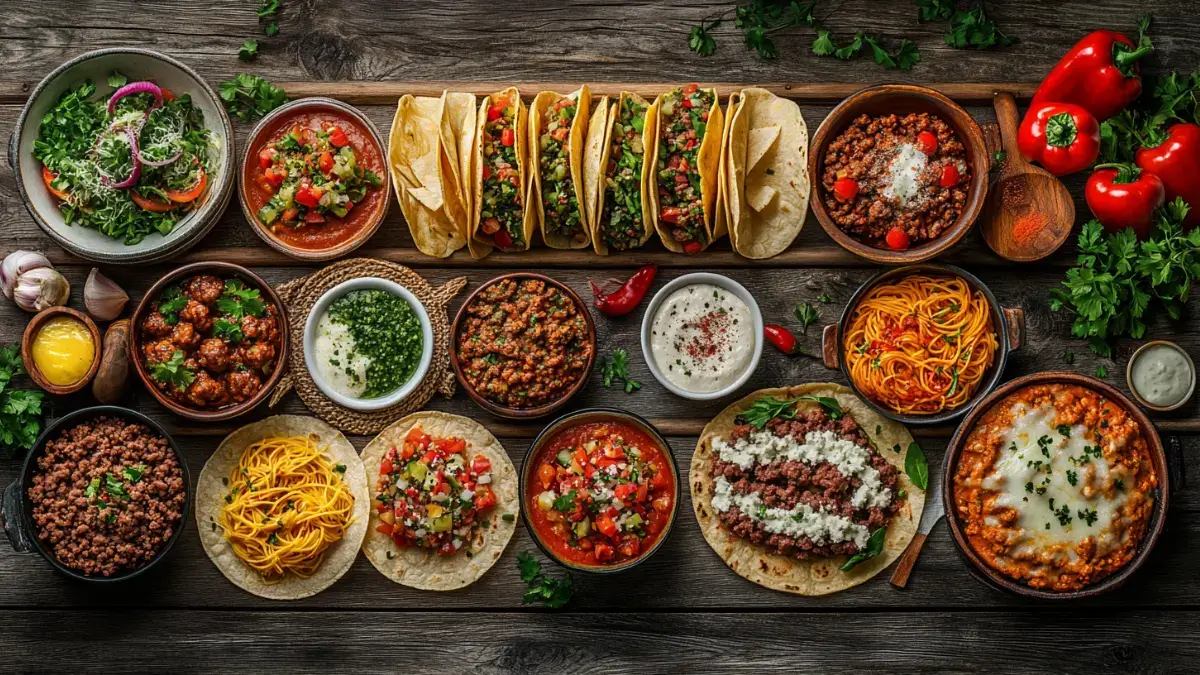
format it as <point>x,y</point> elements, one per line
<point>107,496</point>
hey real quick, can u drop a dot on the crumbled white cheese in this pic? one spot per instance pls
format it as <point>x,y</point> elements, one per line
<point>903,172</point>
<point>821,527</point>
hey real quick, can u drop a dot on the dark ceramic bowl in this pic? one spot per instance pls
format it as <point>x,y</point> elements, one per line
<point>980,568</point>
<point>522,413</point>
<point>1009,325</point>
<point>587,416</point>
<point>17,513</point>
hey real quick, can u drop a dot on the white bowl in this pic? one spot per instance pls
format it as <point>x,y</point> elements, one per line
<point>137,64</point>
<point>722,282</point>
<point>310,329</point>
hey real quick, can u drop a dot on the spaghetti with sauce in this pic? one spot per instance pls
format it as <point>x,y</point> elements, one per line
<point>920,345</point>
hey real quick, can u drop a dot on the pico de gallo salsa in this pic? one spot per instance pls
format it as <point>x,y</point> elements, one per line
<point>601,494</point>
<point>683,121</point>
<point>501,211</point>
<point>433,492</point>
<point>314,180</point>
<point>621,222</point>
<point>560,204</point>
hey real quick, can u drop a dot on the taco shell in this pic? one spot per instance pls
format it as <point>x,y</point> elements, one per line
<point>593,165</point>
<point>818,576</point>
<point>425,175</point>
<point>480,244</point>
<point>605,145</point>
<point>210,498</point>
<point>575,150</point>
<point>721,217</point>
<point>709,160</point>
<point>424,569</point>
<point>766,177</point>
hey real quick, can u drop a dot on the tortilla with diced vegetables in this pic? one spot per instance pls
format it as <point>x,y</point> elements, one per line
<point>608,208</point>
<point>670,111</point>
<point>560,212</point>
<point>503,194</point>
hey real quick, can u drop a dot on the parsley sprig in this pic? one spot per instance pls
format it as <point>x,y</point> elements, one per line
<point>238,301</point>
<point>616,370</point>
<point>249,97</point>
<point>768,408</point>
<point>173,372</point>
<point>552,593</point>
<point>20,409</point>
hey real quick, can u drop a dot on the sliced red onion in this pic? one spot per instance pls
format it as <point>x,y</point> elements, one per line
<point>136,88</point>
<point>165,162</point>
<point>137,166</point>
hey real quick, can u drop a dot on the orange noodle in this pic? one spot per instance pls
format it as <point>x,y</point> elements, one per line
<point>920,345</point>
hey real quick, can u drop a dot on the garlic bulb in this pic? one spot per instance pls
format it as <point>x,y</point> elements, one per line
<point>40,288</point>
<point>103,298</point>
<point>16,264</point>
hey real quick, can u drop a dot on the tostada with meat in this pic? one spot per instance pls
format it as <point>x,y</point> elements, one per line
<point>804,490</point>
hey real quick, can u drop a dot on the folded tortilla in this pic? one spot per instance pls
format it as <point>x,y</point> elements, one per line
<point>607,158</point>
<point>708,158</point>
<point>574,147</point>
<point>479,243</point>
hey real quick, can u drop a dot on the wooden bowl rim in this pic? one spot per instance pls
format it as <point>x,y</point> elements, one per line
<point>368,231</point>
<point>1157,456</point>
<point>521,413</point>
<point>973,141</point>
<point>135,342</point>
<point>1133,390</point>
<point>31,330</point>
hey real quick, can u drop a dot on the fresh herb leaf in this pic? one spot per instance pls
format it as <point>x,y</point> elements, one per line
<point>170,303</point>
<point>823,45</point>
<point>552,593</point>
<point>916,466</point>
<point>268,9</point>
<point>824,299</point>
<point>904,58</point>
<point>873,548</point>
<point>851,49</point>
<point>1101,371</point>
<point>20,409</point>
<point>134,473</point>
<point>616,370</point>
<point>271,30</point>
<point>565,503</point>
<point>117,80</point>
<point>700,40</point>
<point>248,51</point>
<point>238,301</point>
<point>806,314</point>
<point>114,487</point>
<point>1000,155</point>
<point>173,372</point>
<point>227,330</point>
<point>973,30</point>
<point>1068,357</point>
<point>830,404</point>
<point>935,10</point>
<point>768,408</point>
<point>340,468</point>
<point>249,97</point>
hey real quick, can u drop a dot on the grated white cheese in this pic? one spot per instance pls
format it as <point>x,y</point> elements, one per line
<point>903,172</point>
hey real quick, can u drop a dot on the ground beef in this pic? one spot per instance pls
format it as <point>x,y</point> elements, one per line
<point>786,484</point>
<point>107,496</point>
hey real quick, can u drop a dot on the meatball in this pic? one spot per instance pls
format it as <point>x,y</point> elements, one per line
<point>198,315</point>
<point>160,351</point>
<point>156,326</point>
<point>206,391</point>
<point>205,289</point>
<point>242,384</point>
<point>259,354</point>
<point>265,328</point>
<point>214,355</point>
<point>185,335</point>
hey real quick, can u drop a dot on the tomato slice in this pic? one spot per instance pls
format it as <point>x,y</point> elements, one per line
<point>185,196</point>
<point>48,177</point>
<point>897,239</point>
<point>151,205</point>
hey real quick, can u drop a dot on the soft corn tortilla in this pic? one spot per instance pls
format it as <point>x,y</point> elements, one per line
<point>212,489</point>
<point>818,576</point>
<point>425,174</point>
<point>425,569</point>
<point>709,159</point>
<point>648,127</point>
<point>479,244</point>
<point>766,179</point>
<point>594,163</point>
<point>575,147</point>
<point>722,217</point>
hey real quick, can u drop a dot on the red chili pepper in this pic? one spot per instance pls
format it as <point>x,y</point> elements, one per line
<point>1099,74</point>
<point>1175,159</point>
<point>780,337</point>
<point>623,299</point>
<point>1062,137</point>
<point>1122,196</point>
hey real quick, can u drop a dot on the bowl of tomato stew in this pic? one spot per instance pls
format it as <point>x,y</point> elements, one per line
<point>600,490</point>
<point>314,183</point>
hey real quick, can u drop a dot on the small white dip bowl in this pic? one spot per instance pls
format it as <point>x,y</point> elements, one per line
<point>310,338</point>
<point>722,282</point>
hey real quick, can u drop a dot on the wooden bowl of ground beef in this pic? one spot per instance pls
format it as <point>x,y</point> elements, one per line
<point>899,173</point>
<point>103,495</point>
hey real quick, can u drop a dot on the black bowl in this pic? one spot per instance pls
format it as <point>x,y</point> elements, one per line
<point>586,416</point>
<point>16,515</point>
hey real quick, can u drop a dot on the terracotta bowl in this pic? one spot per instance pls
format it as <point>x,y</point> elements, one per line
<point>901,99</point>
<point>270,125</point>
<point>521,413</point>
<point>1158,457</point>
<point>31,331</point>
<point>220,269</point>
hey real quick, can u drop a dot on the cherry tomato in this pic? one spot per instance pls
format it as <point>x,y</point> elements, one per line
<point>266,156</point>
<point>337,137</point>
<point>949,177</point>
<point>927,142</point>
<point>845,189</point>
<point>508,137</point>
<point>897,239</point>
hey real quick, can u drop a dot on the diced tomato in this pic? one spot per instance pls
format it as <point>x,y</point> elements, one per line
<point>487,172</point>
<point>845,189</point>
<point>48,177</point>
<point>607,526</point>
<point>313,217</point>
<point>692,248</point>
<point>495,112</point>
<point>484,498</point>
<point>949,177</point>
<point>399,540</point>
<point>337,137</point>
<point>152,205</point>
<point>624,490</point>
<point>290,214</point>
<point>480,465</point>
<point>266,156</point>
<point>643,492</point>
<point>447,549</point>
<point>309,136</point>
<point>604,552</point>
<point>386,465</point>
<point>325,161</point>
<point>168,95</point>
<point>274,177</point>
<point>308,196</point>
<point>384,528</point>
<point>690,89</point>
<point>687,103</point>
<point>415,435</point>
<point>428,457</point>
<point>897,239</point>
<point>502,239</point>
<point>546,475</point>
<point>629,547</point>
<point>659,480</point>
<point>450,446</point>
<point>661,503</point>
<point>508,137</point>
<point>670,214</point>
<point>927,142</point>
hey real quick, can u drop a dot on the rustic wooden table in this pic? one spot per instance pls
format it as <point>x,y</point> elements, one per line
<point>683,610</point>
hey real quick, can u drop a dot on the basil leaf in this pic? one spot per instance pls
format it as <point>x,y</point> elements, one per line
<point>916,467</point>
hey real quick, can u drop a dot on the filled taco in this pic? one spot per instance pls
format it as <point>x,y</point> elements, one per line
<point>557,125</point>
<point>624,215</point>
<point>282,506</point>
<point>683,180</point>
<point>446,501</point>
<point>803,489</point>
<point>501,219</point>
<point>765,175</point>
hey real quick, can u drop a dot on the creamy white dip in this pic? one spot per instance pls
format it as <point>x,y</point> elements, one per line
<point>1162,375</point>
<point>904,173</point>
<point>339,364</point>
<point>702,338</point>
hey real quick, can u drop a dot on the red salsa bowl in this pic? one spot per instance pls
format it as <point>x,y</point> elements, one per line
<point>600,490</point>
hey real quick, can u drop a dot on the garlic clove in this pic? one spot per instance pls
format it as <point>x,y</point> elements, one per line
<point>40,288</point>
<point>103,298</point>
<point>16,264</point>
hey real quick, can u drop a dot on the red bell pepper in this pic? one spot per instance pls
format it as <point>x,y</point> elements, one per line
<point>1099,74</point>
<point>1122,196</point>
<point>1175,158</point>
<point>1062,137</point>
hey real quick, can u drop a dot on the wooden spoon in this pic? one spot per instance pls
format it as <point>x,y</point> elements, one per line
<point>1024,190</point>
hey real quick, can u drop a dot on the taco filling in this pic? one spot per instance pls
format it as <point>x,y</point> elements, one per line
<point>621,220</point>
<point>804,485</point>
<point>501,213</point>
<point>560,204</point>
<point>681,205</point>
<point>432,493</point>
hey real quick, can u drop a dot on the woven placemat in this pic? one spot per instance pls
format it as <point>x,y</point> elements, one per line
<point>301,294</point>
